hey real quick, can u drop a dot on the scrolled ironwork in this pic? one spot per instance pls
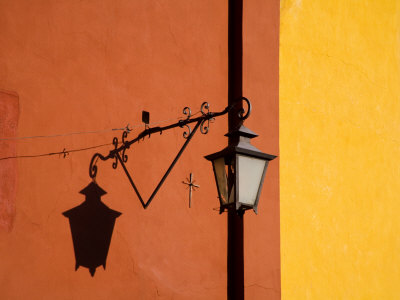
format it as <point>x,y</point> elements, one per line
<point>204,128</point>
<point>204,106</point>
<point>206,116</point>
<point>242,114</point>
<point>124,136</point>
<point>187,132</point>
<point>93,166</point>
<point>187,112</point>
<point>115,143</point>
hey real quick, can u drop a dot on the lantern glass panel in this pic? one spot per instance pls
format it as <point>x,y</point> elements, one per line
<point>232,194</point>
<point>250,172</point>
<point>220,176</point>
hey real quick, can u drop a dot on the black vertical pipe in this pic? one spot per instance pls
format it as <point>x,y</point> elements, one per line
<point>235,256</point>
<point>235,58</point>
<point>235,260</point>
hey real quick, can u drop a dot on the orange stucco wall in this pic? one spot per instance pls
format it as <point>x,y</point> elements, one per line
<point>9,112</point>
<point>92,65</point>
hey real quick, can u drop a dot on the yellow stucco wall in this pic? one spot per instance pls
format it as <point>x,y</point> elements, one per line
<point>340,149</point>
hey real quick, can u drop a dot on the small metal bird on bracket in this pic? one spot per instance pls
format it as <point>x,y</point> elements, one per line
<point>192,187</point>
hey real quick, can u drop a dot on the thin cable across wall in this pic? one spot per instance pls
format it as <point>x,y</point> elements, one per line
<point>66,152</point>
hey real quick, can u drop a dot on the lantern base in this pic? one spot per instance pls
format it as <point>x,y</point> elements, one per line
<point>239,207</point>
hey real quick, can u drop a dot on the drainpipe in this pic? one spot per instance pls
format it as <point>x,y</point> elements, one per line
<point>235,260</point>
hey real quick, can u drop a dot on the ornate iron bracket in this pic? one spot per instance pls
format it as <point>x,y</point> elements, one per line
<point>206,116</point>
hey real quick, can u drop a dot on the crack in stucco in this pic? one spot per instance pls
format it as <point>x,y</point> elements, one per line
<point>335,58</point>
<point>260,286</point>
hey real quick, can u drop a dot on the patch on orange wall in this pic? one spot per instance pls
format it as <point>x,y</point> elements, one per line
<point>9,111</point>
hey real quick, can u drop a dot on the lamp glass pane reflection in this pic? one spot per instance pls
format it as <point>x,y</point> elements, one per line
<point>250,173</point>
<point>221,179</point>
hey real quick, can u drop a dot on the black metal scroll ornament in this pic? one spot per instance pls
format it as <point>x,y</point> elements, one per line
<point>203,122</point>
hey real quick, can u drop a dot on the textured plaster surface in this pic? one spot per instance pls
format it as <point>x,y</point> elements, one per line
<point>9,112</point>
<point>93,65</point>
<point>339,141</point>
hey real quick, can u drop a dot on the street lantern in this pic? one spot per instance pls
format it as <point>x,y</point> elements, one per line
<point>239,171</point>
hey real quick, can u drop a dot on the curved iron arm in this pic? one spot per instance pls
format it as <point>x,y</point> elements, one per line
<point>242,115</point>
<point>93,166</point>
<point>200,122</point>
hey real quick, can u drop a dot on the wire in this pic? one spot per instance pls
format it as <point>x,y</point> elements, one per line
<point>127,128</point>
<point>58,135</point>
<point>64,152</point>
<point>67,152</point>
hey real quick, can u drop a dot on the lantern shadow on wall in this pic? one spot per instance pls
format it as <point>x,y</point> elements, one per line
<point>92,224</point>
